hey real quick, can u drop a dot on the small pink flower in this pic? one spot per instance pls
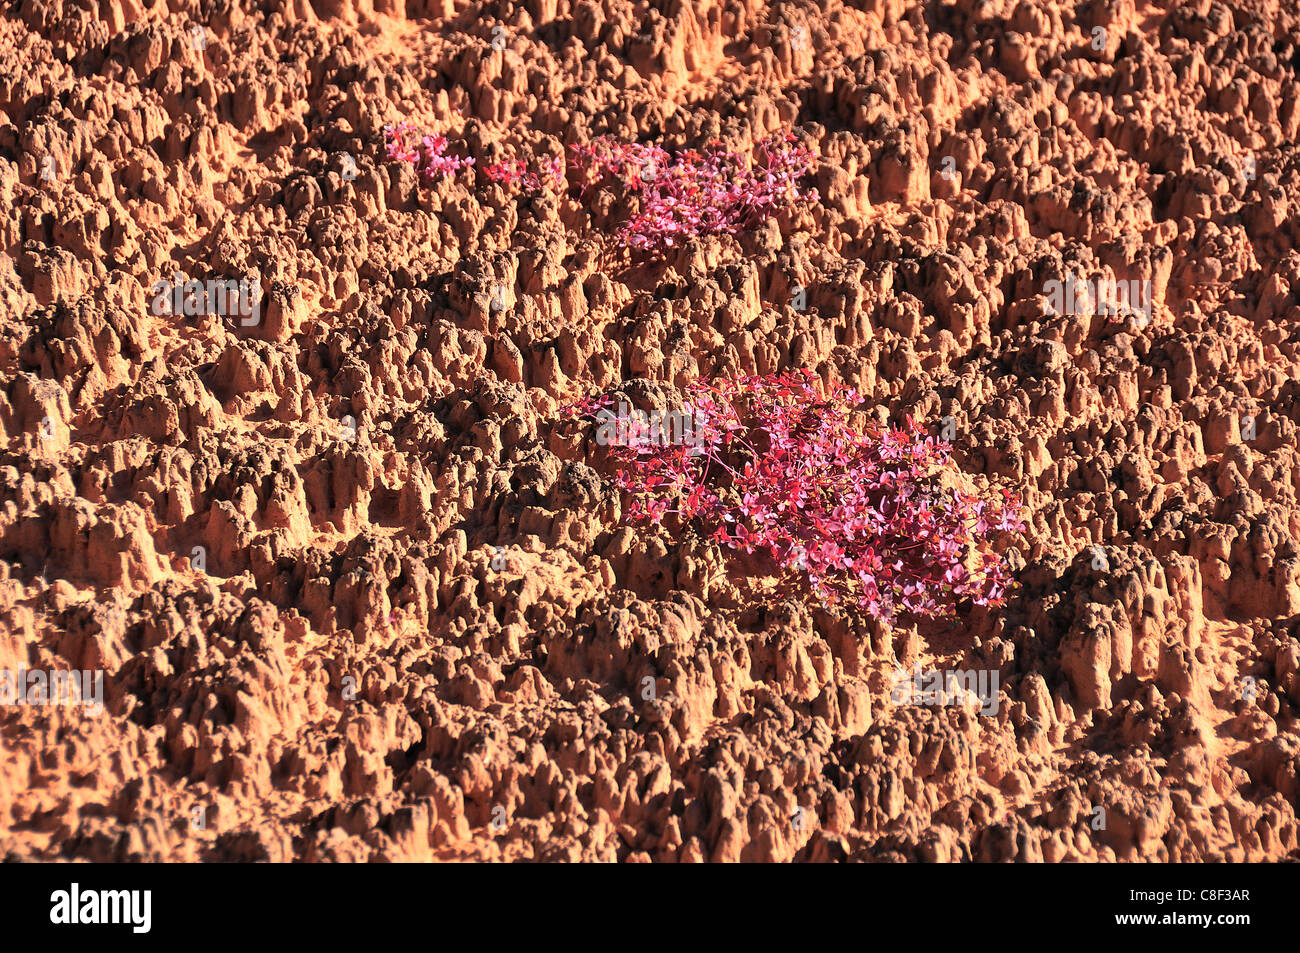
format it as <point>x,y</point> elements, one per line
<point>427,155</point>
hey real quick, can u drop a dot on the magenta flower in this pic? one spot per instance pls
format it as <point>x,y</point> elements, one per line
<point>515,173</point>
<point>695,193</point>
<point>775,468</point>
<point>428,156</point>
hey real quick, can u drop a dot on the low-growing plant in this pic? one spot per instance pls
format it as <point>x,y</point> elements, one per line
<point>403,143</point>
<point>875,517</point>
<point>515,172</point>
<point>709,192</point>
<point>713,191</point>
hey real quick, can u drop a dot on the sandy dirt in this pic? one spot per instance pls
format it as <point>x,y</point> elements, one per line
<point>358,592</point>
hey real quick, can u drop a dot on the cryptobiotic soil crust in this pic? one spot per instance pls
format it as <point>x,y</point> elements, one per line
<point>357,593</point>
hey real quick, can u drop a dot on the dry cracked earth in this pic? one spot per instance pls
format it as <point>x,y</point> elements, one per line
<point>359,593</point>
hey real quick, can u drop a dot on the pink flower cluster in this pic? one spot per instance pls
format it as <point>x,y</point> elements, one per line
<point>426,153</point>
<point>707,192</point>
<point>710,192</point>
<point>515,172</point>
<point>873,518</point>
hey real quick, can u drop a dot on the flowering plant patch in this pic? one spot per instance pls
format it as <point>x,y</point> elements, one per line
<point>709,192</point>
<point>713,191</point>
<point>515,172</point>
<point>875,518</point>
<point>427,153</point>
